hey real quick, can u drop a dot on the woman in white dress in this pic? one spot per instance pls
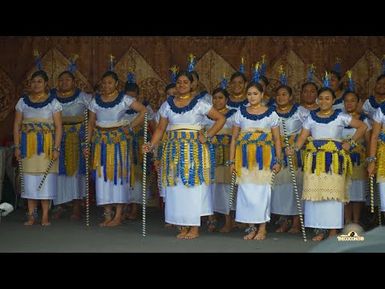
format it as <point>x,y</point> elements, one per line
<point>71,179</point>
<point>221,142</point>
<point>37,134</point>
<point>186,161</point>
<point>376,157</point>
<point>357,190</point>
<point>111,147</point>
<point>327,165</point>
<point>255,152</point>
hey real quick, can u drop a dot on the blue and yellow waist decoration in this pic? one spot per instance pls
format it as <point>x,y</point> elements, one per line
<point>111,152</point>
<point>37,138</point>
<point>254,149</point>
<point>221,143</point>
<point>326,156</point>
<point>184,157</point>
<point>298,156</point>
<point>160,147</point>
<point>71,159</point>
<point>381,156</point>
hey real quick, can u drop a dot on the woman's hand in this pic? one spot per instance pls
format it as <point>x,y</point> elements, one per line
<point>289,151</point>
<point>346,146</point>
<point>147,147</point>
<point>202,139</point>
<point>55,155</point>
<point>277,168</point>
<point>86,152</point>
<point>18,154</point>
<point>371,169</point>
<point>157,164</point>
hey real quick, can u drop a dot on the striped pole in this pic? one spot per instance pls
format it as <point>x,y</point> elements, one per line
<point>45,174</point>
<point>87,141</point>
<point>294,181</point>
<point>144,180</point>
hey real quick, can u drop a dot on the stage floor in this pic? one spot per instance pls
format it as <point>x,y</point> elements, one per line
<point>72,236</point>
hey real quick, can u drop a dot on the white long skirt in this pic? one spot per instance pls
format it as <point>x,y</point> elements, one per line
<point>185,205</point>
<point>283,200</point>
<point>221,198</point>
<point>70,188</point>
<point>324,214</point>
<point>31,184</point>
<point>253,203</point>
<point>382,195</point>
<point>109,193</point>
<point>136,193</point>
<point>357,191</point>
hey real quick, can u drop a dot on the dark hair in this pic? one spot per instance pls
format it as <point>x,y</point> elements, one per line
<point>129,86</point>
<point>288,89</point>
<point>322,89</point>
<point>380,77</point>
<point>309,83</point>
<point>352,92</point>
<point>238,74</point>
<point>70,74</point>
<point>337,74</point>
<point>256,85</point>
<point>264,79</point>
<point>195,73</point>
<point>40,73</point>
<point>112,74</point>
<point>221,90</point>
<point>169,86</point>
<point>185,73</point>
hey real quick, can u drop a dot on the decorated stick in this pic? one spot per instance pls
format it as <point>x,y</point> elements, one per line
<point>87,141</point>
<point>379,208</point>
<point>21,177</point>
<point>45,175</point>
<point>144,181</point>
<point>371,189</point>
<point>294,181</point>
<point>232,188</point>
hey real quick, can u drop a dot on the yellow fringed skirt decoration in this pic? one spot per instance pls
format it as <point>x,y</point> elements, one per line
<point>111,152</point>
<point>186,159</point>
<point>327,171</point>
<point>221,143</point>
<point>37,141</point>
<point>254,157</point>
<point>381,158</point>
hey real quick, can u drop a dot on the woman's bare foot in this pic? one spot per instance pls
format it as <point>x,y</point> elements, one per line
<point>227,228</point>
<point>107,218</point>
<point>31,220</point>
<point>332,233</point>
<point>45,223</point>
<point>261,235</point>
<point>294,230</point>
<point>320,235</point>
<point>114,222</point>
<point>192,233</point>
<point>75,217</point>
<point>211,225</point>
<point>284,227</point>
<point>168,226</point>
<point>58,213</point>
<point>183,231</point>
<point>252,231</point>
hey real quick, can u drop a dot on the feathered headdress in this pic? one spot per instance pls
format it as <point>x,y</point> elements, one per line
<point>131,77</point>
<point>174,72</point>
<point>257,73</point>
<point>191,63</point>
<point>282,75</point>
<point>242,66</point>
<point>351,84</point>
<point>263,65</point>
<point>223,84</point>
<point>310,73</point>
<point>72,65</point>
<point>337,66</point>
<point>326,80</point>
<point>38,63</point>
<point>111,63</point>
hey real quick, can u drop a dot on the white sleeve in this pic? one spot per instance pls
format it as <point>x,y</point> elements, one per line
<point>378,115</point>
<point>303,113</point>
<point>367,122</point>
<point>274,119</point>
<point>56,106</point>
<point>237,118</point>
<point>20,105</point>
<point>307,123</point>
<point>346,118</point>
<point>204,107</point>
<point>128,100</point>
<point>93,106</point>
<point>164,109</point>
<point>150,113</point>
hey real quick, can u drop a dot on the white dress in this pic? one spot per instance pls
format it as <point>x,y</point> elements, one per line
<point>254,198</point>
<point>357,190</point>
<point>326,214</point>
<point>339,103</point>
<point>32,181</point>
<point>221,189</point>
<point>111,114</point>
<point>136,190</point>
<point>184,205</point>
<point>379,117</point>
<point>370,107</point>
<point>283,199</point>
<point>72,187</point>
